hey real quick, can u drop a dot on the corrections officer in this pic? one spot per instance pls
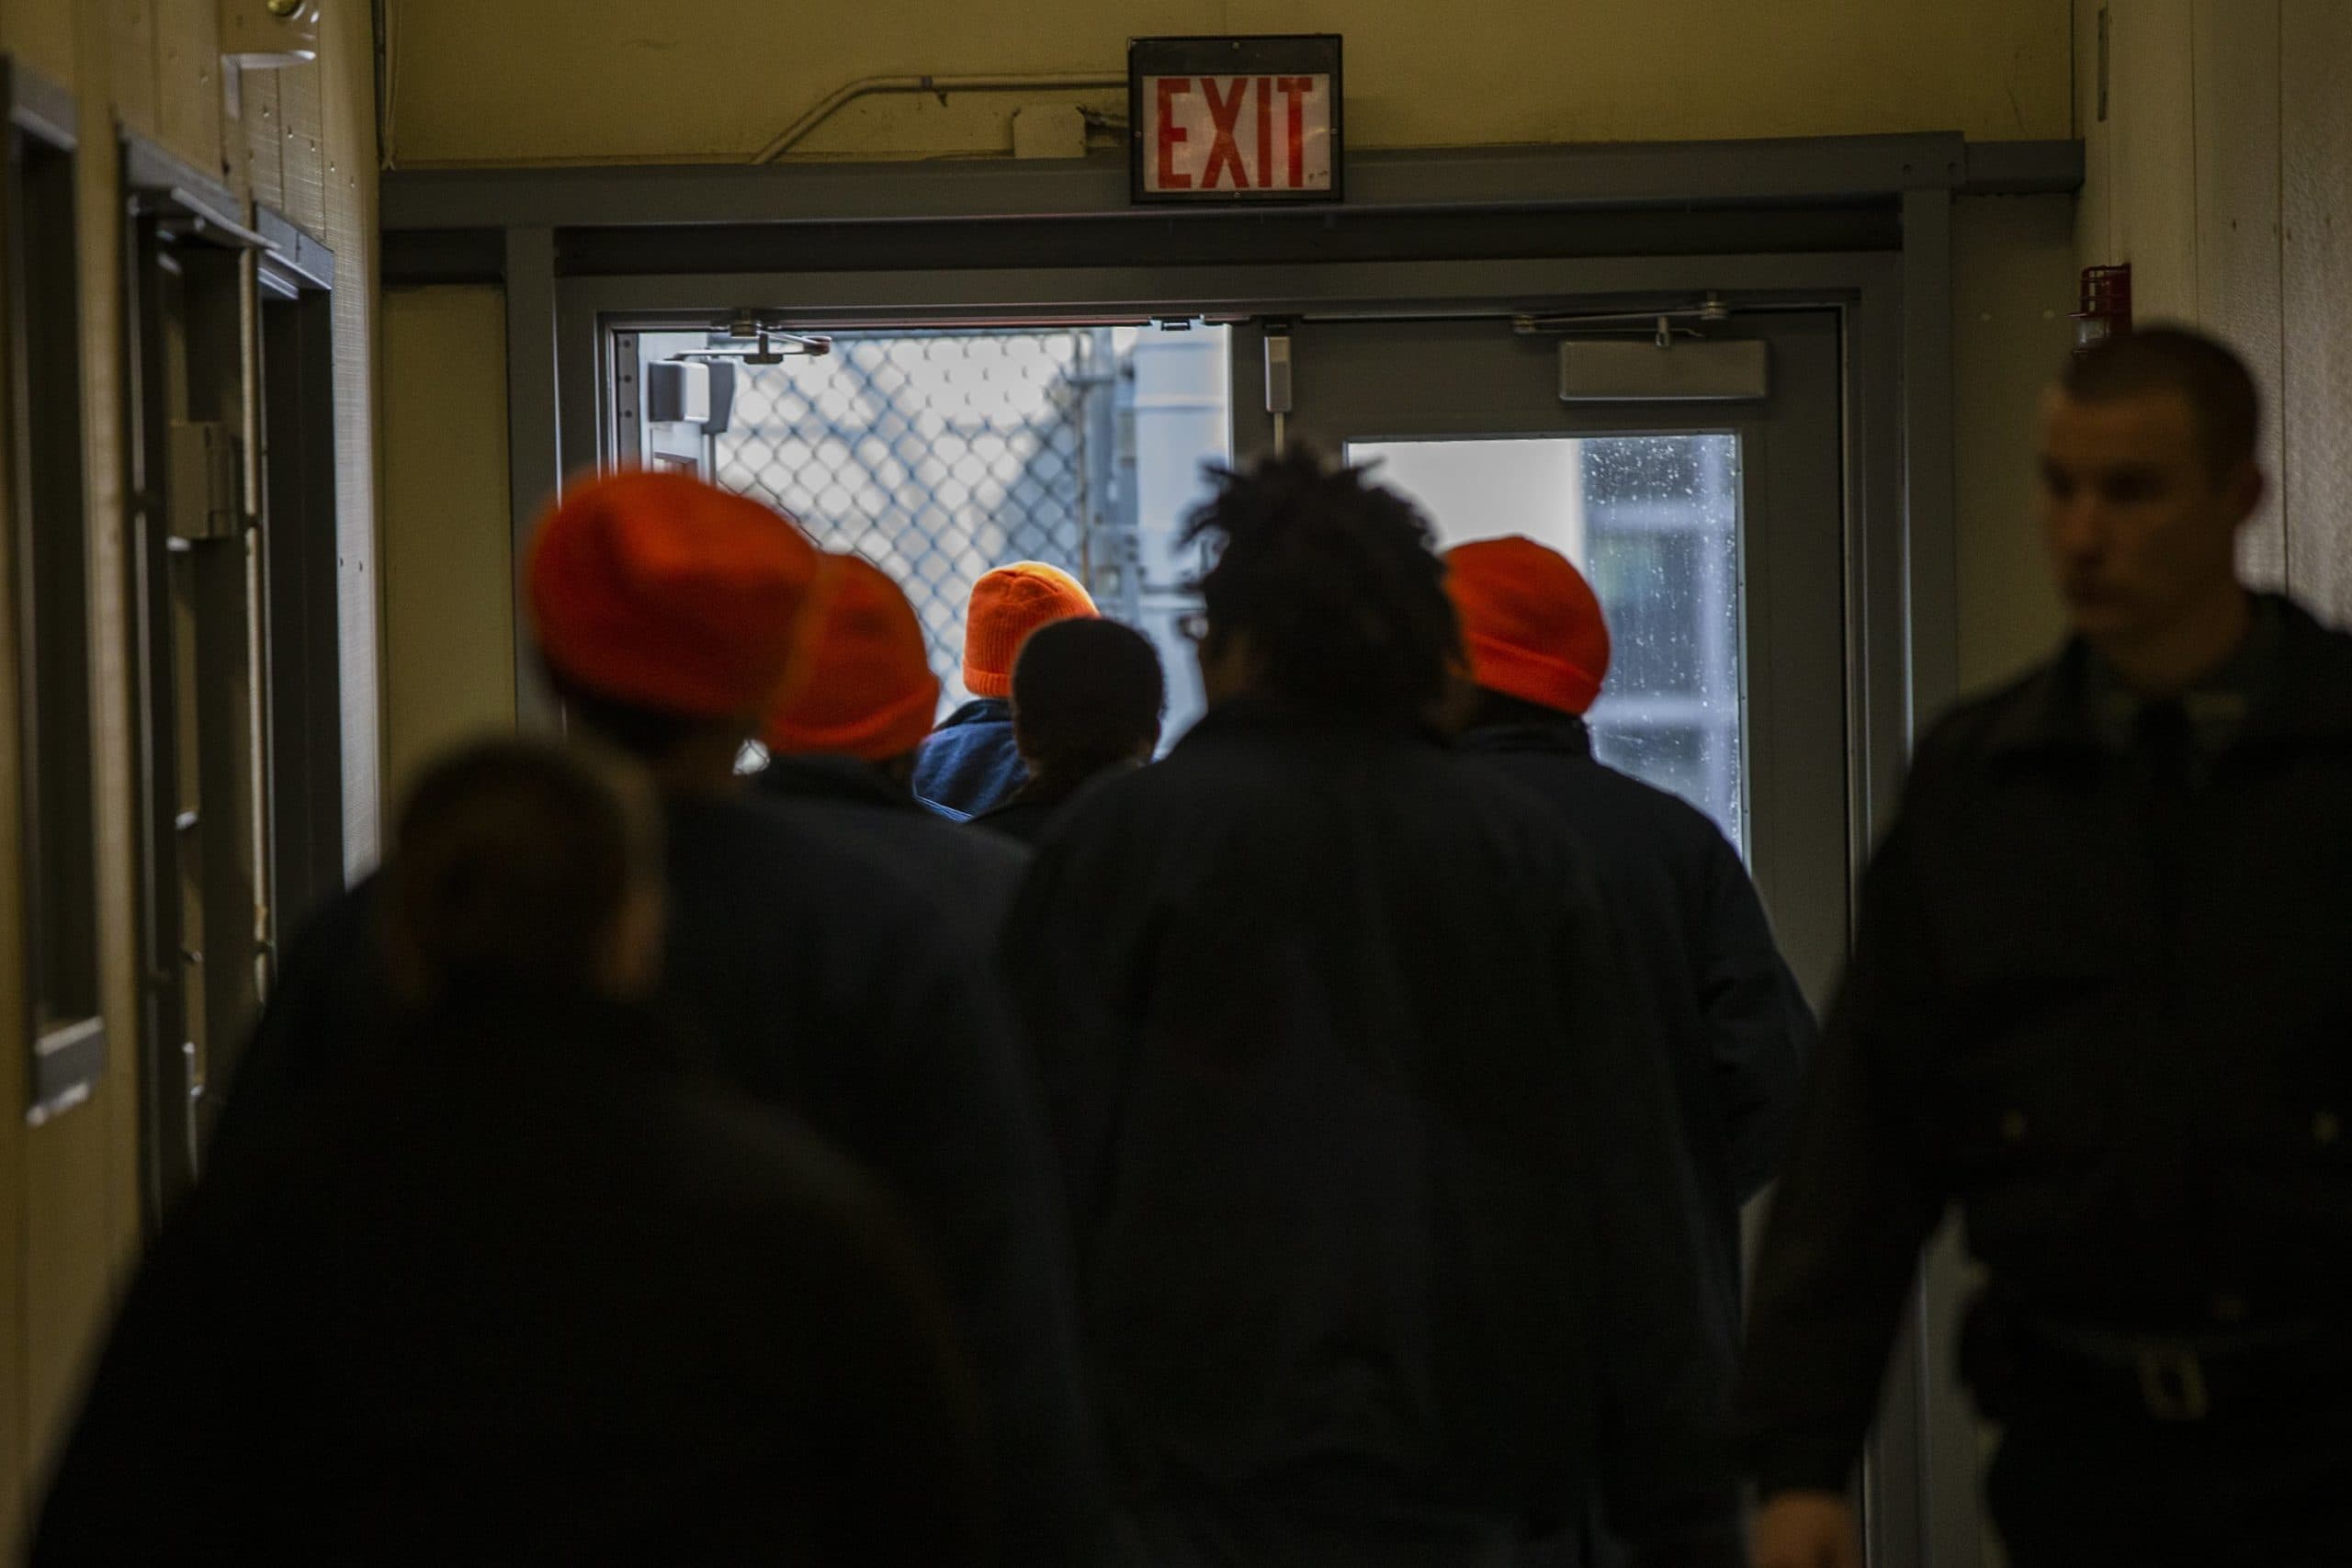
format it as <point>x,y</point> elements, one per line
<point>2101,998</point>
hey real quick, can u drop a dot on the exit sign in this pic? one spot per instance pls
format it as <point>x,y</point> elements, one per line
<point>1234,120</point>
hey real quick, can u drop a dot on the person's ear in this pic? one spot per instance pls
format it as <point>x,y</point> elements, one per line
<point>1455,708</point>
<point>2246,488</point>
<point>1229,666</point>
<point>632,964</point>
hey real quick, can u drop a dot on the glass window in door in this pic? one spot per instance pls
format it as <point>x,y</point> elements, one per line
<point>1653,522</point>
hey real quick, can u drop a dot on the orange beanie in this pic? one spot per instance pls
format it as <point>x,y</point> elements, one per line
<point>868,691</point>
<point>1530,622</point>
<point>1007,605</point>
<point>658,590</point>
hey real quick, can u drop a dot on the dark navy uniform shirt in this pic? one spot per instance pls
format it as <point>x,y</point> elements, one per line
<point>2102,1000</point>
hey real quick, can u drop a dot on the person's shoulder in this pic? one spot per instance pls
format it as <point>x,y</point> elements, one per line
<point>329,931</point>
<point>1168,792</point>
<point>2308,642</point>
<point>1485,803</point>
<point>980,718</point>
<point>2025,713</point>
<point>1017,823</point>
<point>746,1155</point>
<point>795,855</point>
<point>1979,719</point>
<point>750,1183</point>
<point>965,847</point>
<point>1591,781</point>
<point>1670,815</point>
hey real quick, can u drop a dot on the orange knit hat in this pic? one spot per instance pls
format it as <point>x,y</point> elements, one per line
<point>1007,605</point>
<point>658,590</point>
<point>1530,621</point>
<point>868,691</point>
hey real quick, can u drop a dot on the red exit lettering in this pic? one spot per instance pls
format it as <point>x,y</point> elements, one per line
<point>1239,133</point>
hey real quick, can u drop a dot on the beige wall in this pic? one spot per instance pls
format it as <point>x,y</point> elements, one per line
<point>716,81</point>
<point>2013,284</point>
<point>2222,173</point>
<point>69,1189</point>
<point>617,80</point>
<point>448,562</point>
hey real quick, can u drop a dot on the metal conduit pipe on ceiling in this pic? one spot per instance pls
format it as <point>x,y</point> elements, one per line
<point>938,86</point>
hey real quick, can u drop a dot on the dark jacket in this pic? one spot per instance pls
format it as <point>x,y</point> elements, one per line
<point>972,875</point>
<point>1039,804</point>
<point>1735,1027</point>
<point>522,1291</point>
<point>816,980</point>
<point>1374,1198</point>
<point>2105,1009</point>
<point>971,764</point>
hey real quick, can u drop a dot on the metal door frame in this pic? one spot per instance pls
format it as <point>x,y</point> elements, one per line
<point>1861,224</point>
<point>1796,855</point>
<point>1899,578</point>
<point>48,705</point>
<point>1903,584</point>
<point>301,609</point>
<point>175,216</point>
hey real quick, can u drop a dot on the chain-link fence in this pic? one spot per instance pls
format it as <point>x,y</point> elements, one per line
<point>938,457</point>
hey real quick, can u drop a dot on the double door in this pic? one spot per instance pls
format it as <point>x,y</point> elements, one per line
<point>1719,476</point>
<point>1694,471</point>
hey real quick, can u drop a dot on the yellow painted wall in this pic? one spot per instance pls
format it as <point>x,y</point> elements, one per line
<point>617,80</point>
<point>448,562</point>
<point>69,1206</point>
<point>2219,172</point>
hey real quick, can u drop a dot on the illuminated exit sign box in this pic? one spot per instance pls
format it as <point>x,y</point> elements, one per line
<point>1232,120</point>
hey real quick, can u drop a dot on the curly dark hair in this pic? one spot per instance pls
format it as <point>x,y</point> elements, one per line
<point>1332,581</point>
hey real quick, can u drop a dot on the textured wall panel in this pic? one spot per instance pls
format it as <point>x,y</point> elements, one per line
<point>187,81</point>
<point>264,135</point>
<point>131,62</point>
<point>75,1190</point>
<point>618,79</point>
<point>69,1189</point>
<point>303,169</point>
<point>2316,205</point>
<point>2013,279</point>
<point>14,1003</point>
<point>2237,226</point>
<point>2153,154</point>
<point>346,170</point>
<point>39,34</point>
<point>448,556</point>
<point>118,50</point>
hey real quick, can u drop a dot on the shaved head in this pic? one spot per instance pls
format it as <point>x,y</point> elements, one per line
<point>2223,406</point>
